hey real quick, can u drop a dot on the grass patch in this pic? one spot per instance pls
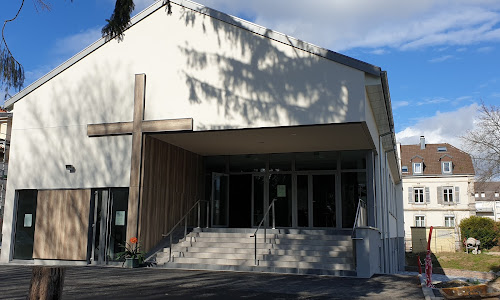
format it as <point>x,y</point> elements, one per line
<point>459,260</point>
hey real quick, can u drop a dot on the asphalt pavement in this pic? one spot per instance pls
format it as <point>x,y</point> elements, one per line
<point>92,282</point>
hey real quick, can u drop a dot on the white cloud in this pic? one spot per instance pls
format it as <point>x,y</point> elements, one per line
<point>441,58</point>
<point>398,104</point>
<point>341,25</point>
<point>485,49</point>
<point>444,127</point>
<point>73,44</point>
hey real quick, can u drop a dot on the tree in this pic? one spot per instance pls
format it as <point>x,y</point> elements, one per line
<point>12,71</point>
<point>483,143</point>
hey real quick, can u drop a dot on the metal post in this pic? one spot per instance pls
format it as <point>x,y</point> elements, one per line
<point>208,212</point>
<point>170,256</point>
<point>274,219</point>
<point>185,227</point>
<point>255,248</point>
<point>199,213</point>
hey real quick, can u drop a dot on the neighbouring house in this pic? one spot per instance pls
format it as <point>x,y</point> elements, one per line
<point>438,180</point>
<point>487,197</point>
<point>259,124</point>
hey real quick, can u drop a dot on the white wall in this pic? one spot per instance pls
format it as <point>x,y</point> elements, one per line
<point>197,67</point>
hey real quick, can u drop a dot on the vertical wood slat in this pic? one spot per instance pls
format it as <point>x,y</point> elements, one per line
<point>62,224</point>
<point>171,185</point>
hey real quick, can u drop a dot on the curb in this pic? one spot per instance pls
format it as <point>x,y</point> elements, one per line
<point>428,293</point>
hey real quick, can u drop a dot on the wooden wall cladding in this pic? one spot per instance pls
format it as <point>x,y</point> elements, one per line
<point>62,221</point>
<point>172,183</point>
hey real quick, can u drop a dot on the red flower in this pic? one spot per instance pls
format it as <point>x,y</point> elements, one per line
<point>133,240</point>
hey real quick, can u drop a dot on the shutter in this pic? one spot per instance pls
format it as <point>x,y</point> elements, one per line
<point>457,194</point>
<point>427,195</point>
<point>410,195</point>
<point>440,194</point>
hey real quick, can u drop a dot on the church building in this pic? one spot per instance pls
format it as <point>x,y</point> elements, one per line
<point>203,112</point>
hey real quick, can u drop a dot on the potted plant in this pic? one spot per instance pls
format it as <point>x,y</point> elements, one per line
<point>132,254</point>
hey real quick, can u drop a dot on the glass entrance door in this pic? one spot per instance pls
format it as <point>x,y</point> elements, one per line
<point>316,200</point>
<point>109,224</point>
<point>220,200</point>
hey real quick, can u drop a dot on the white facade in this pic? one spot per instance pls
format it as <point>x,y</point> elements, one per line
<point>221,76</point>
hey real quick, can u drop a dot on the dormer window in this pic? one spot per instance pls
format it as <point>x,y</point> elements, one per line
<point>404,169</point>
<point>447,167</point>
<point>417,168</point>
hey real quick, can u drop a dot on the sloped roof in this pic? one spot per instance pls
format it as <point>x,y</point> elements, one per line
<point>489,188</point>
<point>462,161</point>
<point>246,25</point>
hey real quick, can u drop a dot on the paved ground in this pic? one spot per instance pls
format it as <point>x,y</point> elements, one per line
<point>149,283</point>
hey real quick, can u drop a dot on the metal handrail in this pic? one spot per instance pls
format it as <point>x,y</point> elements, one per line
<point>184,218</point>
<point>260,224</point>
<point>361,205</point>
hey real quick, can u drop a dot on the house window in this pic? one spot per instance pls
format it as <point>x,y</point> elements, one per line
<point>448,194</point>
<point>404,169</point>
<point>441,149</point>
<point>449,221</point>
<point>476,195</point>
<point>497,194</point>
<point>417,168</point>
<point>418,194</point>
<point>419,221</point>
<point>446,167</point>
<point>483,195</point>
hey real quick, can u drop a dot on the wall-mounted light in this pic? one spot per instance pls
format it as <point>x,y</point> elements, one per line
<point>70,168</point>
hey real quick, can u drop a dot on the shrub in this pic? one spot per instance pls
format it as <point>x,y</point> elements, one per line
<point>482,229</point>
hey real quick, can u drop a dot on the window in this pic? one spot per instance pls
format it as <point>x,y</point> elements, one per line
<point>418,194</point>
<point>446,167</point>
<point>442,149</point>
<point>497,194</point>
<point>448,194</point>
<point>449,221</point>
<point>417,168</point>
<point>419,221</point>
<point>476,195</point>
<point>483,195</point>
<point>404,169</point>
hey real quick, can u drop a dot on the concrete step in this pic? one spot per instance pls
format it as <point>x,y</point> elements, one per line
<point>284,246</point>
<point>345,232</point>
<point>270,235</point>
<point>263,269</point>
<point>270,239</point>
<point>251,262</point>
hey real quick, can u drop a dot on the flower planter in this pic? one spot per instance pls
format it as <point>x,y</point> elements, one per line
<point>131,263</point>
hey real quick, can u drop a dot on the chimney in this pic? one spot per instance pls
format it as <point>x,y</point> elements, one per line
<point>422,142</point>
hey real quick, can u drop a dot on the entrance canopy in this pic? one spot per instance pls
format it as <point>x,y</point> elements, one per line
<point>330,137</point>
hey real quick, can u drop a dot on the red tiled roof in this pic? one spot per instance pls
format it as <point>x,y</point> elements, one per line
<point>462,161</point>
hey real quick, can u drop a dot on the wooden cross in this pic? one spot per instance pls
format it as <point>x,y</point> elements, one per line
<point>137,128</point>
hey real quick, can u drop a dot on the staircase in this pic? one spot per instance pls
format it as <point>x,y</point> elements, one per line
<point>296,251</point>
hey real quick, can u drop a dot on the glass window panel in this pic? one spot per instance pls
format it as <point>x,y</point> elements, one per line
<point>215,164</point>
<point>248,163</point>
<point>25,225</point>
<point>302,200</point>
<point>324,201</point>
<point>353,160</point>
<point>280,162</point>
<point>258,199</point>
<point>316,161</point>
<point>118,227</point>
<point>280,188</point>
<point>353,189</point>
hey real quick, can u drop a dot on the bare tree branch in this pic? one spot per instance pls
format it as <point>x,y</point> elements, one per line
<point>483,143</point>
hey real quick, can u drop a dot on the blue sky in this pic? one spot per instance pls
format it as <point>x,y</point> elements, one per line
<point>442,56</point>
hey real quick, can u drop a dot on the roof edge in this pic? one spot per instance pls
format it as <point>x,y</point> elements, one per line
<point>232,20</point>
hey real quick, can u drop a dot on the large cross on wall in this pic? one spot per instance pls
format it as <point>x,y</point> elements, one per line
<point>137,128</point>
